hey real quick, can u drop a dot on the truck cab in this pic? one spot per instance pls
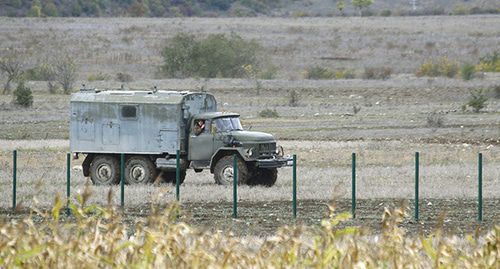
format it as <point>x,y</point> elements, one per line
<point>221,137</point>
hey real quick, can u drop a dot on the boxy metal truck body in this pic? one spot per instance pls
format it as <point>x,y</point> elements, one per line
<point>134,122</point>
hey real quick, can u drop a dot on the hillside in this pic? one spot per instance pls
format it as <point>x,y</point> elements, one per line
<point>238,8</point>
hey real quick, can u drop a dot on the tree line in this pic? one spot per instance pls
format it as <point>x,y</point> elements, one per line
<point>132,8</point>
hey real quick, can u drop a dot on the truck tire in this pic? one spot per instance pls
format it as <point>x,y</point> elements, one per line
<point>223,171</point>
<point>105,170</point>
<point>169,176</point>
<point>139,170</point>
<point>264,177</point>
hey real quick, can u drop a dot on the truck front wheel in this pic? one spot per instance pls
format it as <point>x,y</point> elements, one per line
<point>104,170</point>
<point>223,171</point>
<point>139,170</point>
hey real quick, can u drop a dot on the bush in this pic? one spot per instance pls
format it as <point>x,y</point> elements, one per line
<point>467,71</point>
<point>98,77</point>
<point>345,74</point>
<point>293,99</point>
<point>477,100</point>
<point>441,67</point>
<point>66,72</point>
<point>268,113</point>
<point>386,13</point>
<point>496,92</point>
<point>23,95</point>
<point>377,73</point>
<point>317,72</point>
<point>435,119</point>
<point>215,56</point>
<point>489,63</point>
<point>268,73</point>
<point>124,77</point>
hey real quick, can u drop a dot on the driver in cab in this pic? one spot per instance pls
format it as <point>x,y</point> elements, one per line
<point>199,127</point>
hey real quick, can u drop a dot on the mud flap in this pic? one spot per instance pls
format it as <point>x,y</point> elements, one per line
<point>86,165</point>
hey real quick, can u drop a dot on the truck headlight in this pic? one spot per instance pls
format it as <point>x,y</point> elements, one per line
<point>280,151</point>
<point>250,152</point>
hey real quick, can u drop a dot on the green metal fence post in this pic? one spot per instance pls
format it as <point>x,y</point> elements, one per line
<point>235,186</point>
<point>122,180</point>
<point>14,178</point>
<point>480,187</point>
<point>177,175</point>
<point>353,184</point>
<point>68,182</point>
<point>417,165</point>
<point>294,179</point>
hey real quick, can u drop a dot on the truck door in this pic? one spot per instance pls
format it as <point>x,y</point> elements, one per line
<point>200,142</point>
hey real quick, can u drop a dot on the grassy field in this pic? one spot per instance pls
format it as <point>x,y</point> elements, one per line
<point>132,45</point>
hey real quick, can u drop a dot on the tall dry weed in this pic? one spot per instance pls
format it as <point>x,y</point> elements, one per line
<point>97,237</point>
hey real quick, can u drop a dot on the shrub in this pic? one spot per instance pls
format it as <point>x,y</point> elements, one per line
<point>496,92</point>
<point>214,56</point>
<point>268,113</point>
<point>293,99</point>
<point>477,100</point>
<point>489,63</point>
<point>467,71</point>
<point>98,77</point>
<point>345,74</point>
<point>435,119</point>
<point>317,72</point>
<point>268,73</point>
<point>386,13</point>
<point>124,77</point>
<point>66,72</point>
<point>23,95</point>
<point>377,73</point>
<point>441,67</point>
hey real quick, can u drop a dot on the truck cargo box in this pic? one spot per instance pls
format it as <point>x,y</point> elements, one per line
<point>138,122</point>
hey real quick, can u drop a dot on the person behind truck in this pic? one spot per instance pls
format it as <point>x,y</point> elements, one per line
<point>199,127</point>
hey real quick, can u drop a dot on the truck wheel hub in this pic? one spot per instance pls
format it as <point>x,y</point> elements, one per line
<point>227,174</point>
<point>104,172</point>
<point>137,173</point>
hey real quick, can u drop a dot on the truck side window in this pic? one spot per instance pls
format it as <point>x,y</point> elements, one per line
<point>129,112</point>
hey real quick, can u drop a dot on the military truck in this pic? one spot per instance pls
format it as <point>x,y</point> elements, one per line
<point>150,126</point>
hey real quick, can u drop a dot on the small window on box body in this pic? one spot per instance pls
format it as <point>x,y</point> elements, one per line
<point>129,112</point>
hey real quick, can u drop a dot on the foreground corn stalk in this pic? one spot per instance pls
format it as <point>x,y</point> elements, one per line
<point>98,237</point>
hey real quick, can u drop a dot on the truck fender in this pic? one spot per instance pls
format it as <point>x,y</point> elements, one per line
<point>224,152</point>
<point>86,164</point>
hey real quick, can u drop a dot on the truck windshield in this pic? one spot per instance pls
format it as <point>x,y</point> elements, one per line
<point>228,124</point>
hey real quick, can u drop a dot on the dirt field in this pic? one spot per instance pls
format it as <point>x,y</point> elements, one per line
<point>133,45</point>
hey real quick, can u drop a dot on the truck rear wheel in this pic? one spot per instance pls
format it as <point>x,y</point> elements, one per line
<point>223,171</point>
<point>169,176</point>
<point>139,170</point>
<point>264,177</point>
<point>105,170</point>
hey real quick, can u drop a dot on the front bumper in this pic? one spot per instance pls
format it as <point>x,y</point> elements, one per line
<point>277,162</point>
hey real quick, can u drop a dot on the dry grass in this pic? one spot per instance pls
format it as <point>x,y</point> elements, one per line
<point>97,237</point>
<point>132,45</point>
<point>385,170</point>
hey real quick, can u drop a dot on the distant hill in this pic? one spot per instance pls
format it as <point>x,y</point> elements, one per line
<point>239,8</point>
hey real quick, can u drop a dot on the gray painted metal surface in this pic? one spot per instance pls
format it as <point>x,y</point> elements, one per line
<point>139,122</point>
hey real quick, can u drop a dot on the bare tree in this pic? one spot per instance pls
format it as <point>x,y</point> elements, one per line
<point>12,66</point>
<point>66,73</point>
<point>49,74</point>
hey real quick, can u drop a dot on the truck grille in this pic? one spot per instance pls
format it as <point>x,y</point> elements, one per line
<point>267,149</point>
